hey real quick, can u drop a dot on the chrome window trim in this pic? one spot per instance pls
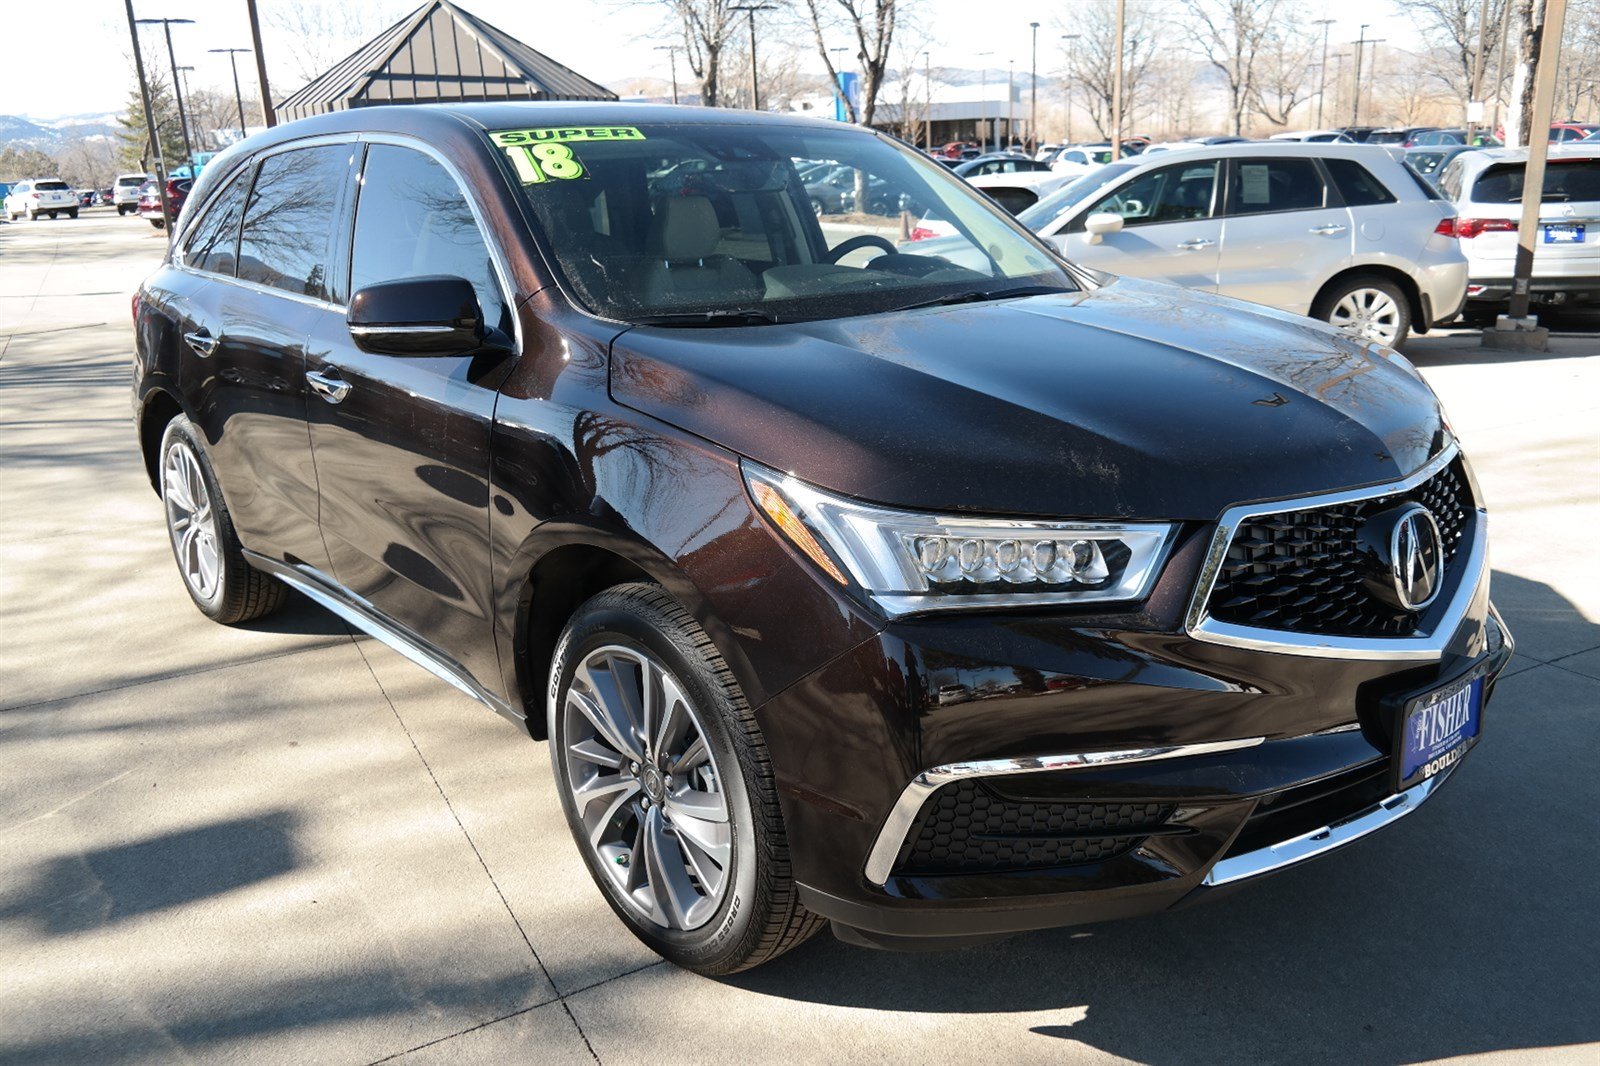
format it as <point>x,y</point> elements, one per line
<point>880,860</point>
<point>266,290</point>
<point>1317,842</point>
<point>366,331</point>
<point>1424,647</point>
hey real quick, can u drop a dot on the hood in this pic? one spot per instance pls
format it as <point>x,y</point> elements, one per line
<point>1132,400</point>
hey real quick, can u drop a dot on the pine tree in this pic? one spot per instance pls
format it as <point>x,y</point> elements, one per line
<point>134,153</point>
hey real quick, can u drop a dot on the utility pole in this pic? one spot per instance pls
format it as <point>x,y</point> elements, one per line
<point>1070,37</point>
<point>672,58</point>
<point>984,96</point>
<point>149,119</point>
<point>927,86</point>
<point>750,10</point>
<point>183,80</point>
<point>1338,77</point>
<point>1355,104</point>
<point>1116,89</point>
<point>269,116</point>
<point>1517,329</point>
<point>172,59</point>
<point>238,97</point>
<point>1475,96</point>
<point>1033,99</point>
<point>1322,84</point>
<point>1500,66</point>
<point>1011,100</point>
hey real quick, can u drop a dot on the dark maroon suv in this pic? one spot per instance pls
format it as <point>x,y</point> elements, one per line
<point>938,597</point>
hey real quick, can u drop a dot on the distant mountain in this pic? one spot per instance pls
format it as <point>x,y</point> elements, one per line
<point>53,134</point>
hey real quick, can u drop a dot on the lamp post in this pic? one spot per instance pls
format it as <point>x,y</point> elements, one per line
<point>1116,89</point>
<point>149,118</point>
<point>183,119</point>
<point>1070,37</point>
<point>1475,95</point>
<point>269,114</point>
<point>1033,98</point>
<point>1322,81</point>
<point>1355,87</point>
<point>238,97</point>
<point>672,60</point>
<point>984,96</point>
<point>183,83</point>
<point>927,86</point>
<point>750,10</point>
<point>1500,66</point>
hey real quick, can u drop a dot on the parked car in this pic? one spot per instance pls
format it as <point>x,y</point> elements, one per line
<point>999,164</point>
<point>150,200</point>
<point>1430,162</point>
<point>1437,138</point>
<point>1486,188</point>
<point>819,579</point>
<point>1359,134</point>
<point>1337,232</point>
<point>1076,159</point>
<point>86,197</point>
<point>125,192</point>
<point>833,191</point>
<point>1313,136</point>
<point>1019,189</point>
<point>1195,142</point>
<point>41,196</point>
<point>5,190</point>
<point>1399,135</point>
<point>1562,132</point>
<point>106,197</point>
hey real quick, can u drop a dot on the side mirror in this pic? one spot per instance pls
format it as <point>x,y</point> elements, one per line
<point>1100,224</point>
<point>437,314</point>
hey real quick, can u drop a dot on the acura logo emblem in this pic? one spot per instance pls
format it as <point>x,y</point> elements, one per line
<point>1416,557</point>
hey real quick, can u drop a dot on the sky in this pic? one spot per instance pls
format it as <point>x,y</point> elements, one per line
<point>87,68</point>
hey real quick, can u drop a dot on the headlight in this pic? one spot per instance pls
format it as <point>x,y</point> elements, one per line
<point>911,562</point>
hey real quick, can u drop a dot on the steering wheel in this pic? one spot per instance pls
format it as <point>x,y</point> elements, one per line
<point>856,243</point>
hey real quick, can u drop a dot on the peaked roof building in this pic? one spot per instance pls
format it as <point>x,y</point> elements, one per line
<point>440,53</point>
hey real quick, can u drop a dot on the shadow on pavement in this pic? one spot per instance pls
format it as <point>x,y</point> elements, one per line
<point>1468,928</point>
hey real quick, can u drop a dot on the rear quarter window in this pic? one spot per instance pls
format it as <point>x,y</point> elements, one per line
<point>1357,184</point>
<point>52,186</point>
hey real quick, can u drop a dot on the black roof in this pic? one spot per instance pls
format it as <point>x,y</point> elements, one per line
<point>439,53</point>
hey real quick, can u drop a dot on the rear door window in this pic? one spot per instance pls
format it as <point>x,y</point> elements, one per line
<point>215,245</point>
<point>1565,181</point>
<point>1356,183</point>
<point>290,219</point>
<point>1263,186</point>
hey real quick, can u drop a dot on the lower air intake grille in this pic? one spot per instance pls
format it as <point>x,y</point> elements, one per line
<point>964,828</point>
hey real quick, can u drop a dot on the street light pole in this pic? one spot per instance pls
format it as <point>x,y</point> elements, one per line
<point>927,87</point>
<point>1033,99</point>
<point>269,114</point>
<point>672,59</point>
<point>1355,106</point>
<point>1070,37</point>
<point>183,82</point>
<point>1322,81</point>
<point>1476,93</point>
<point>1500,65</point>
<point>1116,90</point>
<point>750,10</point>
<point>984,97</point>
<point>172,59</point>
<point>149,118</point>
<point>1011,100</point>
<point>238,97</point>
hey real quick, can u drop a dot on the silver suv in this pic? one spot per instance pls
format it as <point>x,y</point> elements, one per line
<point>125,193</point>
<point>1344,233</point>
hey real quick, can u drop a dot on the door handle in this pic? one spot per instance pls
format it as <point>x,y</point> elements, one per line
<point>1196,242</point>
<point>329,385</point>
<point>202,342</point>
<point>1328,229</point>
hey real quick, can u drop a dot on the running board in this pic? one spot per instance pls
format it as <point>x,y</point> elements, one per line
<point>344,603</point>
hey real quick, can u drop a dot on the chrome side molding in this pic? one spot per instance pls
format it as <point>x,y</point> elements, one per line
<point>1320,841</point>
<point>326,593</point>
<point>880,860</point>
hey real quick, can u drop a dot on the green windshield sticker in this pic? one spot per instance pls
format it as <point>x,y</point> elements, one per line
<point>507,138</point>
<point>547,161</point>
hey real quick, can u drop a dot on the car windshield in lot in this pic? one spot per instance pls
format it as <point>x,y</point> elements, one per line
<point>1565,180</point>
<point>708,224</point>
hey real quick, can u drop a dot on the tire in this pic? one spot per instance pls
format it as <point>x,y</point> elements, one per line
<point>159,223</point>
<point>72,212</point>
<point>233,591</point>
<point>1368,307</point>
<point>705,918</point>
<point>53,215</point>
<point>33,216</point>
<point>122,209</point>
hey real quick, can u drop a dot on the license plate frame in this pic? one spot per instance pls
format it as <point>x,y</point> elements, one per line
<point>1564,232</point>
<point>1428,740</point>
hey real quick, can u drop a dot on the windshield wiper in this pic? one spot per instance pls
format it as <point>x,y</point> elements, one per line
<point>980,295</point>
<point>744,316</point>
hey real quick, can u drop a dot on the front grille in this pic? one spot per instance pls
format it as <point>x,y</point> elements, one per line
<point>965,828</point>
<point>1301,571</point>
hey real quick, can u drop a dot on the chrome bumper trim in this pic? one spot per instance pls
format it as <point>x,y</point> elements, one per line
<point>880,860</point>
<point>1320,841</point>
<point>1425,647</point>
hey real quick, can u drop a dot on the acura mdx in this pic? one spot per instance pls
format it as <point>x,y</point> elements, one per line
<point>934,597</point>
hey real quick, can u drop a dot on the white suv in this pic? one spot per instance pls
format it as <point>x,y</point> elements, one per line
<point>1344,233</point>
<point>41,196</point>
<point>125,192</point>
<point>1486,188</point>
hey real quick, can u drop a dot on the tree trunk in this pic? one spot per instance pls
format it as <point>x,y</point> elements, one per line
<point>1528,16</point>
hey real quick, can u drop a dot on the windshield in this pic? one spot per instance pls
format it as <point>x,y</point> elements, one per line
<point>760,223</point>
<point>1051,207</point>
<point>1565,180</point>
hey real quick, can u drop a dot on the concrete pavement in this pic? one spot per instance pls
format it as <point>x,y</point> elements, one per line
<point>283,842</point>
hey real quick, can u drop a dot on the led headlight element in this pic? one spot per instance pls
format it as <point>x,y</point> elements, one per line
<point>911,562</point>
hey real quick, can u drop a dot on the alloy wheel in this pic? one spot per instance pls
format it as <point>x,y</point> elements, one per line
<point>191,520</point>
<point>646,788</point>
<point>1370,314</point>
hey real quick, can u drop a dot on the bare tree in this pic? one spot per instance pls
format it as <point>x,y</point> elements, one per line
<point>1091,64</point>
<point>871,26</point>
<point>1230,35</point>
<point>323,32</point>
<point>1450,31</point>
<point>705,27</point>
<point>1282,74</point>
<point>1579,77</point>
